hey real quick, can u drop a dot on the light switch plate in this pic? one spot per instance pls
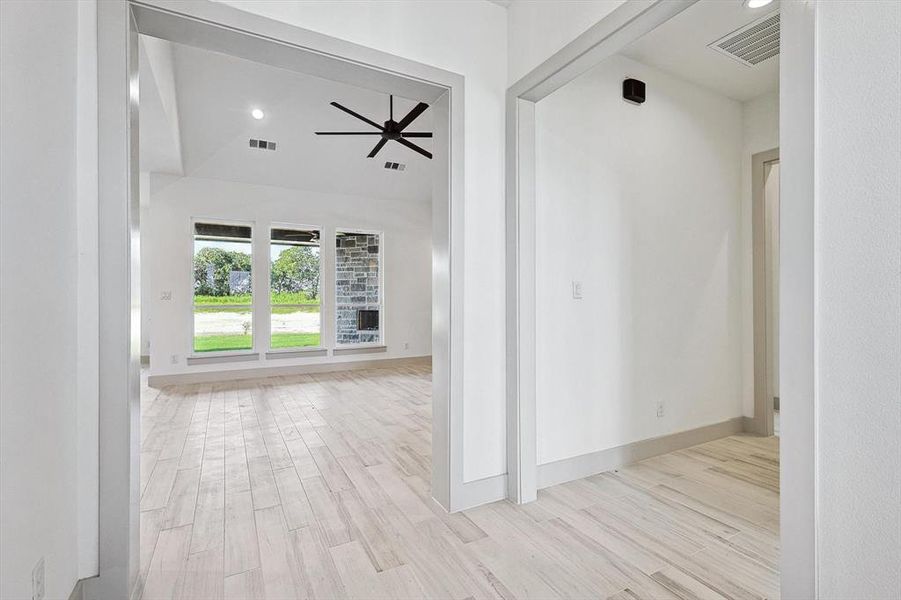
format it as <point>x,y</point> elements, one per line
<point>577,290</point>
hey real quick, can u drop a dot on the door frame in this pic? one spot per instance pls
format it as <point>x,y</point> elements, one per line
<point>763,405</point>
<point>797,108</point>
<point>226,29</point>
<point>622,26</point>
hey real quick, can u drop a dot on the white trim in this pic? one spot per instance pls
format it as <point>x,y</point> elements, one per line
<point>119,342</point>
<point>222,357</point>
<point>577,467</point>
<point>158,381</point>
<point>625,24</point>
<point>359,349</point>
<point>797,300</point>
<point>88,296</point>
<point>482,491</point>
<point>296,352</point>
<point>521,350</point>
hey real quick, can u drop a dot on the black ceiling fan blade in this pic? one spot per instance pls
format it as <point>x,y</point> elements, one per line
<point>348,133</point>
<point>417,134</point>
<point>411,116</point>
<point>413,147</point>
<point>357,115</point>
<point>378,147</point>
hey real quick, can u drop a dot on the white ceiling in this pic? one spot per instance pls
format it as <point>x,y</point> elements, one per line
<point>213,96</point>
<point>679,47</point>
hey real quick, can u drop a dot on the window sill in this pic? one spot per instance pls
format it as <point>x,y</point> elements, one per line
<point>295,353</point>
<point>359,349</point>
<point>222,357</point>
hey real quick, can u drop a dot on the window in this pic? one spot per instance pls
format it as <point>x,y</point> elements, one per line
<point>358,293</point>
<point>294,297</point>
<point>223,298</point>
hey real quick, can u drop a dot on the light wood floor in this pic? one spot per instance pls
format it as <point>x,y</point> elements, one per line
<point>317,487</point>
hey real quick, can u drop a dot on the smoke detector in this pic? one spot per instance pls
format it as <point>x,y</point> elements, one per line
<point>752,44</point>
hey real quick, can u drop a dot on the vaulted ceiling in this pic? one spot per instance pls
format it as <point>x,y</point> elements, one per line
<point>195,120</point>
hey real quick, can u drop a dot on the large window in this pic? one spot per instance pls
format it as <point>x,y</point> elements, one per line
<point>223,299</point>
<point>294,297</point>
<point>358,293</point>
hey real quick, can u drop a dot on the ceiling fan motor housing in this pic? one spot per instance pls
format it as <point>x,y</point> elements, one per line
<point>392,131</point>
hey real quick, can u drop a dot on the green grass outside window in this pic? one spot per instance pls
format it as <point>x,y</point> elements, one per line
<point>226,342</point>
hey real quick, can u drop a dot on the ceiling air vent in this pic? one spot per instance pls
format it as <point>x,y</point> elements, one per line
<point>262,144</point>
<point>752,44</point>
<point>393,166</point>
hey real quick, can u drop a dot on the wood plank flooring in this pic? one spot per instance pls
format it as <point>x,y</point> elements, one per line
<point>317,486</point>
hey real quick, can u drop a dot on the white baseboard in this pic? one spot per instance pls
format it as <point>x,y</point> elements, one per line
<point>481,491</point>
<point>158,381</point>
<point>585,465</point>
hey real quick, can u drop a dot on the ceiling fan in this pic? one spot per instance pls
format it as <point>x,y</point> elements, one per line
<point>391,130</point>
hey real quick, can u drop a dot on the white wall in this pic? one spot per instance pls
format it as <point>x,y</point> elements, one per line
<point>760,132</point>
<point>469,38</point>
<point>38,262</point>
<point>88,356</point>
<point>536,29</point>
<point>168,239</point>
<point>858,299</point>
<point>642,205</point>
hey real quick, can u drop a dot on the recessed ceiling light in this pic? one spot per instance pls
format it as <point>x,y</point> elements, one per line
<point>258,114</point>
<point>757,3</point>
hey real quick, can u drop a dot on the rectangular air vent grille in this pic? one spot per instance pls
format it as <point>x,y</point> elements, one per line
<point>395,166</point>
<point>753,43</point>
<point>262,144</point>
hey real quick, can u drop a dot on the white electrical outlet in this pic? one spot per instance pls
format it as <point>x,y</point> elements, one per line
<point>175,359</point>
<point>166,295</point>
<point>37,581</point>
<point>577,290</point>
<point>660,409</point>
<point>406,345</point>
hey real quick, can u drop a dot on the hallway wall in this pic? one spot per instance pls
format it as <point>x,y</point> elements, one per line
<point>38,259</point>
<point>641,204</point>
<point>857,300</point>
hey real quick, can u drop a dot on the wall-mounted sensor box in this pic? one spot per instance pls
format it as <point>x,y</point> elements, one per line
<point>633,91</point>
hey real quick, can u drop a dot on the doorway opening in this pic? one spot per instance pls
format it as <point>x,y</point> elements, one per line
<point>238,154</point>
<point>633,275</point>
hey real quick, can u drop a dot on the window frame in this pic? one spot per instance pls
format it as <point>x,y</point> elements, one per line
<point>192,353</point>
<point>322,300</point>
<point>381,343</point>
